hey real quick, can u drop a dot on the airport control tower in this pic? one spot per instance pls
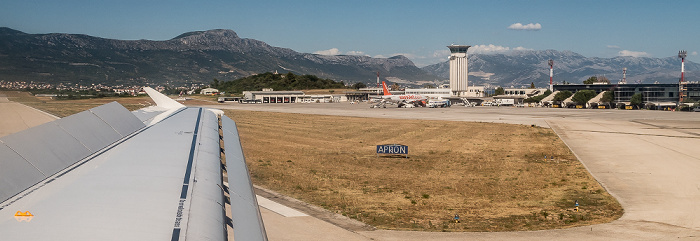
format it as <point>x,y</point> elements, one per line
<point>459,81</point>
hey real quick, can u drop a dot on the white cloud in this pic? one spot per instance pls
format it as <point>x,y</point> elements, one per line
<point>336,51</point>
<point>488,49</point>
<point>529,26</point>
<point>379,56</point>
<point>355,53</point>
<point>694,53</point>
<point>633,53</point>
<point>522,49</point>
<point>333,51</point>
<point>613,47</point>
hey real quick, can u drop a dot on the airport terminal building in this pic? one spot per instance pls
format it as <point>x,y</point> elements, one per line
<point>656,94</point>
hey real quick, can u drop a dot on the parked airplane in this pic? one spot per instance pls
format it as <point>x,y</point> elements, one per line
<point>400,100</point>
<point>111,174</point>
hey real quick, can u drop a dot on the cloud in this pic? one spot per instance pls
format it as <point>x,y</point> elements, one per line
<point>694,53</point>
<point>520,48</point>
<point>355,53</point>
<point>333,51</point>
<point>633,53</point>
<point>613,47</point>
<point>488,49</point>
<point>336,51</point>
<point>529,26</point>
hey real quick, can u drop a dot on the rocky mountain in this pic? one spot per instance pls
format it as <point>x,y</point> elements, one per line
<point>520,68</point>
<point>194,57</point>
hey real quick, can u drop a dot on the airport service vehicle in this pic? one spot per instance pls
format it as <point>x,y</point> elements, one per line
<point>438,103</point>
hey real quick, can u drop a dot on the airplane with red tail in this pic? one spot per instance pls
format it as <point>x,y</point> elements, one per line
<point>401,100</point>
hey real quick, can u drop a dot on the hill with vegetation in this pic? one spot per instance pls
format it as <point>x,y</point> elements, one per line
<point>289,81</point>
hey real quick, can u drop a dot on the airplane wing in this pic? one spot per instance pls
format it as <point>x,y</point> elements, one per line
<point>110,174</point>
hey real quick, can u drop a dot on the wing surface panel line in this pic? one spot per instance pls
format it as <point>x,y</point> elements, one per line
<point>103,120</point>
<point>25,159</point>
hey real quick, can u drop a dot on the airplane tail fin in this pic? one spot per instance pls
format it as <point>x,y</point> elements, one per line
<point>386,91</point>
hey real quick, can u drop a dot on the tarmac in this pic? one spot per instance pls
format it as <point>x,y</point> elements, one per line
<point>16,117</point>
<point>648,160</point>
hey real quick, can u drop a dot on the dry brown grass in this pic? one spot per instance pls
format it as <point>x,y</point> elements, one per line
<point>63,108</point>
<point>492,175</point>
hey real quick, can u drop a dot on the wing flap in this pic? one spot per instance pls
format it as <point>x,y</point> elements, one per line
<point>206,213</point>
<point>247,222</point>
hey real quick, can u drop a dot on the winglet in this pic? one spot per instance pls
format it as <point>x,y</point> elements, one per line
<point>162,100</point>
<point>386,91</point>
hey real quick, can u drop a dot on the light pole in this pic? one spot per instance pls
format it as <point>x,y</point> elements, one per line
<point>551,74</point>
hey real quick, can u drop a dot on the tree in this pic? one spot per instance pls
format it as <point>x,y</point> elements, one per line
<point>590,80</point>
<point>581,97</point>
<point>429,86</point>
<point>215,84</point>
<point>608,96</point>
<point>395,86</point>
<point>358,85</point>
<point>499,91</point>
<point>562,95</point>
<point>532,85</point>
<point>636,100</point>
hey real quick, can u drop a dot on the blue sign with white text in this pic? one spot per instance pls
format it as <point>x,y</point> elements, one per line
<point>392,149</point>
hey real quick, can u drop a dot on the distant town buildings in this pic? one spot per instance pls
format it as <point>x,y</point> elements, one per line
<point>118,89</point>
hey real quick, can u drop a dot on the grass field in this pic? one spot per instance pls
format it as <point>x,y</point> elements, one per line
<point>493,176</point>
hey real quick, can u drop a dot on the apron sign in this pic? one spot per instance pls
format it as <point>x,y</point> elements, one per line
<point>394,149</point>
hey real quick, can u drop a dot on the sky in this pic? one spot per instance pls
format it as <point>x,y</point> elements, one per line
<point>419,30</point>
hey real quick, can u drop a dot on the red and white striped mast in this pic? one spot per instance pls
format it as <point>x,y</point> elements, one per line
<point>551,74</point>
<point>681,84</point>
<point>682,54</point>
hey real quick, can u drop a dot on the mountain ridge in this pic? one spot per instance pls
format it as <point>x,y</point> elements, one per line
<point>197,56</point>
